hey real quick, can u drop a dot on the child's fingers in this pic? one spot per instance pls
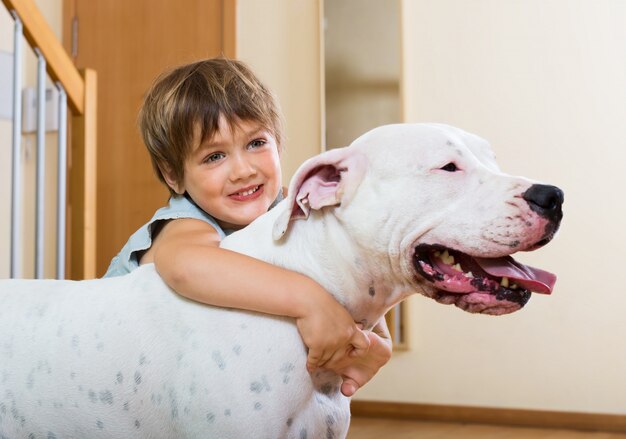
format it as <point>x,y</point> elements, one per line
<point>317,358</point>
<point>361,343</point>
<point>357,346</point>
<point>313,358</point>
<point>349,387</point>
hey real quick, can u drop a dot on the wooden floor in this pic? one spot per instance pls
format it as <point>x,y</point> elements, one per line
<point>370,428</point>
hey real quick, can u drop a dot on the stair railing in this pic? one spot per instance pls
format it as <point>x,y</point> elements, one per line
<point>76,182</point>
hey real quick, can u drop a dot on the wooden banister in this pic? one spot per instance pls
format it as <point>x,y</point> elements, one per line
<point>59,64</point>
<point>82,177</point>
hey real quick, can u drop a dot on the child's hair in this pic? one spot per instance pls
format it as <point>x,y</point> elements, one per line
<point>198,94</point>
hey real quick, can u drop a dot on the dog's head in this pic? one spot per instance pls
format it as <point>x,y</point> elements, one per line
<point>440,214</point>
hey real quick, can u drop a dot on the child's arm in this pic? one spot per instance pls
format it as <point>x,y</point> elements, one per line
<point>186,254</point>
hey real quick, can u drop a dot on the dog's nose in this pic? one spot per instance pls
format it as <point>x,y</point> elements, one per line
<point>546,201</point>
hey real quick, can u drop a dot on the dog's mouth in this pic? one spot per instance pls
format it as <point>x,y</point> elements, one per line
<point>480,285</point>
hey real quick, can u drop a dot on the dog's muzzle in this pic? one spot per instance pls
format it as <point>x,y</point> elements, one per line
<point>480,285</point>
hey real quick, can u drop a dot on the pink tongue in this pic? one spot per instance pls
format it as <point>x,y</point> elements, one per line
<point>530,278</point>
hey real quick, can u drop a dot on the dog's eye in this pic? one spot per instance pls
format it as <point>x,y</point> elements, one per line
<point>450,167</point>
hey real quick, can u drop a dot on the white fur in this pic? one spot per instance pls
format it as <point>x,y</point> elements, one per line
<point>127,357</point>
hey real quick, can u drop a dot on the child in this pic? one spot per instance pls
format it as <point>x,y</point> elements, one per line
<point>214,135</point>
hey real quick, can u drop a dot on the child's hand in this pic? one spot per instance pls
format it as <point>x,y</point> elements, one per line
<point>359,370</point>
<point>330,333</point>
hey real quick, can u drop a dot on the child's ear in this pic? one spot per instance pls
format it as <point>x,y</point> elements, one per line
<point>171,180</point>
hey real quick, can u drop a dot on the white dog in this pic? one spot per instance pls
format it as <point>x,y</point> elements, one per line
<point>404,209</point>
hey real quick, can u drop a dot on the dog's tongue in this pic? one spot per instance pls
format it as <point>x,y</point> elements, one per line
<point>530,278</point>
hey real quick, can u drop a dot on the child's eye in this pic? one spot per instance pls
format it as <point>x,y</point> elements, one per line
<point>214,157</point>
<point>257,143</point>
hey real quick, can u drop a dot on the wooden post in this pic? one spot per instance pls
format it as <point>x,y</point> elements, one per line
<point>396,322</point>
<point>82,176</point>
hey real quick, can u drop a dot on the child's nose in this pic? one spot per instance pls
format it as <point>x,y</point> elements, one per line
<point>241,168</point>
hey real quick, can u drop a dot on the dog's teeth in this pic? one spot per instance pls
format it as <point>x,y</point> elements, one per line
<point>438,253</point>
<point>505,282</point>
<point>513,286</point>
<point>458,267</point>
<point>470,275</point>
<point>447,258</point>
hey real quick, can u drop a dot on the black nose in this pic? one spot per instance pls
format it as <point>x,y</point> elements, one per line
<point>546,201</point>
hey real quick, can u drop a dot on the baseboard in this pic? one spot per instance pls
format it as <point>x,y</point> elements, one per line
<point>493,416</point>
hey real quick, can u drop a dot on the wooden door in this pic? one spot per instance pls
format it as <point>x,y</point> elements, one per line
<point>129,43</point>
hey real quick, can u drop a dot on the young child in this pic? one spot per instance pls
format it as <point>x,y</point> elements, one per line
<point>214,135</point>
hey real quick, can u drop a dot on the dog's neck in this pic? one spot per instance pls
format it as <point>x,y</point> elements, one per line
<point>354,276</point>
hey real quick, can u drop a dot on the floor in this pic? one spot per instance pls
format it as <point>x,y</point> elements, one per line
<point>370,428</point>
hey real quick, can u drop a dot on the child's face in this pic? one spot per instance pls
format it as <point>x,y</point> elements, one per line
<point>234,176</point>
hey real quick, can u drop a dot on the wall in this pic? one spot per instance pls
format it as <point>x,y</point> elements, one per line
<point>281,41</point>
<point>360,94</point>
<point>545,82</point>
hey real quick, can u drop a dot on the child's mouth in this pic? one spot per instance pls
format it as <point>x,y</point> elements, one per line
<point>248,193</point>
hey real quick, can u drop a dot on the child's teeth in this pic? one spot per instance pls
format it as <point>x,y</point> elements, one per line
<point>250,192</point>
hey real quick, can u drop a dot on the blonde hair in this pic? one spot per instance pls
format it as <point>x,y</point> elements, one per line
<point>195,96</point>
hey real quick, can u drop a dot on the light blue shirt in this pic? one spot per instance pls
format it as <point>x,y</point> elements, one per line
<point>178,207</point>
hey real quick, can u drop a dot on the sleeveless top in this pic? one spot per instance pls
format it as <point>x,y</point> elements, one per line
<point>178,207</point>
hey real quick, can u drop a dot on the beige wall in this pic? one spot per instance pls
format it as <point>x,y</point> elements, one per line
<point>360,94</point>
<point>281,41</point>
<point>545,82</point>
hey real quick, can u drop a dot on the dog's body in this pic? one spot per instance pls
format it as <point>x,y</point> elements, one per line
<point>127,357</point>
<point>136,360</point>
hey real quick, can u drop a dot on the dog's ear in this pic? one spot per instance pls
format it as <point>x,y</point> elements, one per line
<point>328,179</point>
